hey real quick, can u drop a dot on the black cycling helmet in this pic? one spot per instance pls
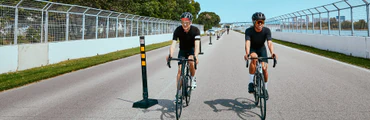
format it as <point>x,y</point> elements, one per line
<point>258,16</point>
<point>187,15</point>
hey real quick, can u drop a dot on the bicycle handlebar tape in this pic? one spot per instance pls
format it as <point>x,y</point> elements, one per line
<point>146,102</point>
<point>275,62</point>
<point>195,62</point>
<point>169,61</point>
<point>247,63</point>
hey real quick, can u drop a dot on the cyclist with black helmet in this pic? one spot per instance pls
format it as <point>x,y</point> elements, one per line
<point>189,38</point>
<point>255,38</point>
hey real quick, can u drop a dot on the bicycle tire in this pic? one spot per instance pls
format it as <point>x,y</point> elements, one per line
<point>263,98</point>
<point>188,89</point>
<point>179,101</point>
<point>256,92</point>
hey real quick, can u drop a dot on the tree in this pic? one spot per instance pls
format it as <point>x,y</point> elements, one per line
<point>333,23</point>
<point>361,24</point>
<point>209,19</point>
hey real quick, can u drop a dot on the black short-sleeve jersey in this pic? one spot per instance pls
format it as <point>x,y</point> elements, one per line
<point>257,38</point>
<point>187,40</point>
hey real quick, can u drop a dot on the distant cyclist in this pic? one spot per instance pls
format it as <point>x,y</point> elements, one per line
<point>255,37</point>
<point>227,30</point>
<point>189,38</point>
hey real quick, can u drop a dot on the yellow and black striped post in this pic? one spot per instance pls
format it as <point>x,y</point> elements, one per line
<point>146,102</point>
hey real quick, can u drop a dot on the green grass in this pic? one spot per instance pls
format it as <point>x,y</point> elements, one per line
<point>20,78</point>
<point>358,61</point>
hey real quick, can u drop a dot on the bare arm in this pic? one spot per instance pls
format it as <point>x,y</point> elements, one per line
<point>247,49</point>
<point>271,47</point>
<point>247,46</point>
<point>196,50</point>
<point>172,48</point>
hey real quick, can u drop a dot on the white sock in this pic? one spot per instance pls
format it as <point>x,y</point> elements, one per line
<point>251,79</point>
<point>266,85</point>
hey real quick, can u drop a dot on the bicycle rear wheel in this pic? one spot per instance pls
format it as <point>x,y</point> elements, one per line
<point>263,98</point>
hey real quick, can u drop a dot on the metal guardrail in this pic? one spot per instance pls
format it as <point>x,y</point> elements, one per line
<point>313,20</point>
<point>38,21</point>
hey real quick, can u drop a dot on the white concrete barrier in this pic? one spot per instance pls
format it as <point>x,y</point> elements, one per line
<point>85,48</point>
<point>349,45</point>
<point>8,58</point>
<point>32,55</point>
<point>21,57</point>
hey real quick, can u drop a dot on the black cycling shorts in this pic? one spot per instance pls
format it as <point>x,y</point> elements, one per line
<point>185,53</point>
<point>261,52</point>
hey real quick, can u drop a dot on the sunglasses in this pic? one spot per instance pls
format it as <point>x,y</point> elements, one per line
<point>185,23</point>
<point>260,22</point>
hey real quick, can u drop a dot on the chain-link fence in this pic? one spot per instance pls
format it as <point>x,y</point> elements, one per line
<point>343,18</point>
<point>36,21</point>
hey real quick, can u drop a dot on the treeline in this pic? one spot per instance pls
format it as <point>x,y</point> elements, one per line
<point>164,9</point>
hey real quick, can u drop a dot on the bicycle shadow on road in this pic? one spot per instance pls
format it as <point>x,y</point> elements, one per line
<point>241,106</point>
<point>165,106</point>
<point>167,109</point>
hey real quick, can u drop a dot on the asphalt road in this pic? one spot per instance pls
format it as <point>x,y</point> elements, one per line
<point>302,86</point>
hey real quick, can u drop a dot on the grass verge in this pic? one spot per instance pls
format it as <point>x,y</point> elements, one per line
<point>20,78</point>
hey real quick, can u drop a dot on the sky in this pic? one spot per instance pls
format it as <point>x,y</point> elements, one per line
<point>242,10</point>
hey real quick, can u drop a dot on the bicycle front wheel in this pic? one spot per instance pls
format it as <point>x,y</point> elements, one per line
<point>178,101</point>
<point>263,98</point>
<point>256,90</point>
<point>188,90</point>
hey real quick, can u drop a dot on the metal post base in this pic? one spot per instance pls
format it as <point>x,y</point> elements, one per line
<point>145,103</point>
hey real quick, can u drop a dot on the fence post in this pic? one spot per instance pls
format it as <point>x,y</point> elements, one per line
<point>83,23</point>
<point>97,25</point>
<point>137,26</point>
<point>117,21</point>
<point>313,21</point>
<point>42,22</point>
<point>124,31</point>
<point>108,17</point>
<point>16,23</point>
<point>131,25</point>
<point>340,26</point>
<point>47,23</point>
<point>319,20</point>
<point>67,23</point>
<point>368,19</point>
<point>328,19</point>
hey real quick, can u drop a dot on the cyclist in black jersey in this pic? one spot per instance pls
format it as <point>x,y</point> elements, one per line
<point>189,38</point>
<point>255,38</point>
